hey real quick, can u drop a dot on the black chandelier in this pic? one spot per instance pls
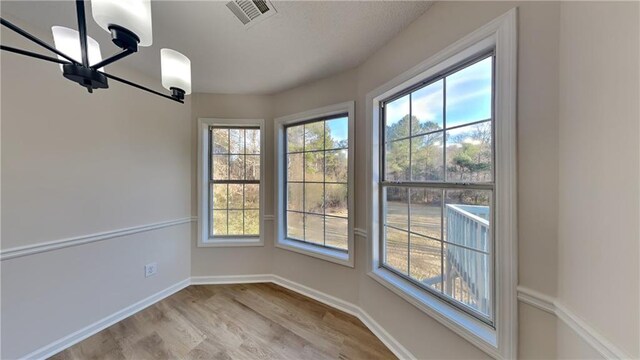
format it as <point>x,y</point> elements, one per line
<point>129,22</point>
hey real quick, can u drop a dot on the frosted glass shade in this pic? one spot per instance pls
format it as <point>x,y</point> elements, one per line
<point>68,41</point>
<point>133,15</point>
<point>176,70</point>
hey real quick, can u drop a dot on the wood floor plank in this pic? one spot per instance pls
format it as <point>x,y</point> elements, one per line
<point>239,321</point>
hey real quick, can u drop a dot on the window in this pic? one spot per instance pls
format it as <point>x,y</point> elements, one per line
<point>231,191</point>
<point>314,183</point>
<point>437,186</point>
<point>442,190</point>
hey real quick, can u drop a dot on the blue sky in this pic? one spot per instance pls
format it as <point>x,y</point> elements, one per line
<point>339,128</point>
<point>468,98</point>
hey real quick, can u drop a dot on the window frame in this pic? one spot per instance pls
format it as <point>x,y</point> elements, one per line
<point>337,256</point>
<point>500,36</point>
<point>205,238</point>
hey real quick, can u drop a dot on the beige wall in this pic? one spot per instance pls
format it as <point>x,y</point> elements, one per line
<point>70,171</point>
<point>599,163</point>
<point>218,261</point>
<point>74,164</point>
<point>537,154</point>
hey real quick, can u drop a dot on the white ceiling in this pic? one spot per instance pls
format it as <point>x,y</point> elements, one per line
<point>304,41</point>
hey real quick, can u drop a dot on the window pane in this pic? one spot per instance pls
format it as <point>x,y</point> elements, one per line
<point>295,138</point>
<point>220,222</point>
<point>252,196</point>
<point>314,166</point>
<point>220,167</point>
<point>295,196</point>
<point>251,222</point>
<point>236,169</point>
<point>314,136</point>
<point>467,216</point>
<point>426,212</point>
<point>220,141</point>
<point>295,225</point>
<point>314,198</point>
<point>252,141</point>
<point>425,261</point>
<point>469,93</point>
<point>337,230</point>
<point>337,166</point>
<point>397,160</point>
<point>426,108</point>
<point>336,199</point>
<point>337,133</point>
<point>469,154</point>
<point>236,141</point>
<point>396,211</point>
<point>427,158</point>
<point>397,249</point>
<point>314,229</point>
<point>219,196</point>
<point>235,196</point>
<point>253,167</point>
<point>235,222</point>
<point>295,169</point>
<point>467,277</point>
<point>397,118</point>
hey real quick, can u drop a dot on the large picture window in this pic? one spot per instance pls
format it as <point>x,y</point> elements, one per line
<point>230,182</point>
<point>442,186</point>
<point>438,185</point>
<point>314,178</point>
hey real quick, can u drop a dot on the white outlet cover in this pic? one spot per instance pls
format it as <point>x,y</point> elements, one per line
<point>150,269</point>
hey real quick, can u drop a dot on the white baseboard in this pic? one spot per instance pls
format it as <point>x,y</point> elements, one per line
<point>400,351</point>
<point>231,279</point>
<point>606,348</point>
<point>74,338</point>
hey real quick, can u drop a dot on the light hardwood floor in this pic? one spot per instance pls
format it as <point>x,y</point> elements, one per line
<point>249,321</point>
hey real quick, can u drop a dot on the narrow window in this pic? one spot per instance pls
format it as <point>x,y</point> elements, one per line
<point>234,181</point>
<point>230,189</point>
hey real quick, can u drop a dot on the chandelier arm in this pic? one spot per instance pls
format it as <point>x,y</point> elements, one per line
<point>33,55</point>
<point>113,58</point>
<point>113,77</point>
<point>82,30</point>
<point>36,40</point>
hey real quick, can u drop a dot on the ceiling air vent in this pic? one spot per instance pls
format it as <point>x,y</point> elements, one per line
<point>250,12</point>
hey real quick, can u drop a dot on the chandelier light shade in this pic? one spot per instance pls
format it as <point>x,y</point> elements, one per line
<point>133,16</point>
<point>68,42</point>
<point>79,56</point>
<point>176,71</point>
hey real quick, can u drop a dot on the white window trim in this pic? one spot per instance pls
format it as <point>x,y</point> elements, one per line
<point>203,184</point>
<point>500,34</point>
<point>338,257</point>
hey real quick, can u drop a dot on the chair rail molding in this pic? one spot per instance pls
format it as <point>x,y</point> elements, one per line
<point>590,335</point>
<point>37,248</point>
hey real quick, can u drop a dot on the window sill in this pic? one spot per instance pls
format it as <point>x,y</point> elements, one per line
<point>231,242</point>
<point>335,256</point>
<point>470,328</point>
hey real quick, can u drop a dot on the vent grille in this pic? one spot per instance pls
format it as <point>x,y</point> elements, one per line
<point>250,12</point>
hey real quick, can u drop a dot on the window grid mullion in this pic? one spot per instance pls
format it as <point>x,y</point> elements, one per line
<point>324,184</point>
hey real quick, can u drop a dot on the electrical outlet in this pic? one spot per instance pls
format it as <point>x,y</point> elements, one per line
<point>150,269</point>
